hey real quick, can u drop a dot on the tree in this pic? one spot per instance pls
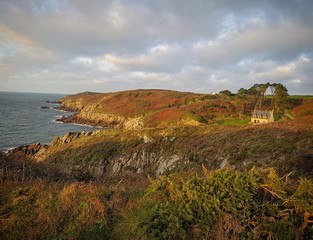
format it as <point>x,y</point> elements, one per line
<point>225,92</point>
<point>242,92</point>
<point>254,97</point>
<point>242,96</point>
<point>253,90</point>
<point>280,97</point>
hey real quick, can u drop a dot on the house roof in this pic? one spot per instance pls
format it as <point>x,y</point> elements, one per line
<point>261,114</point>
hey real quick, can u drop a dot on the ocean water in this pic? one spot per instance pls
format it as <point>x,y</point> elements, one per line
<point>23,121</point>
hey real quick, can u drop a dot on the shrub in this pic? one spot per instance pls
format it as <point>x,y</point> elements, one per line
<point>176,207</point>
<point>222,204</point>
<point>193,116</point>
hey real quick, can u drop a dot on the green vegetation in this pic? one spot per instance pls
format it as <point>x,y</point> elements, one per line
<point>255,98</point>
<point>225,92</point>
<point>234,121</point>
<point>302,97</point>
<point>219,204</point>
<point>195,117</point>
<point>182,207</point>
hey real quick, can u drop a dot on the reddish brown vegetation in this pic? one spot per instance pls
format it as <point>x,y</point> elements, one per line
<point>158,107</point>
<point>303,110</point>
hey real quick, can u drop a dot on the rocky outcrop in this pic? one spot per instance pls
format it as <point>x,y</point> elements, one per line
<point>144,162</point>
<point>70,136</point>
<point>71,105</point>
<point>67,138</point>
<point>54,102</point>
<point>89,117</point>
<point>100,119</point>
<point>35,151</point>
<point>134,123</point>
<point>140,162</point>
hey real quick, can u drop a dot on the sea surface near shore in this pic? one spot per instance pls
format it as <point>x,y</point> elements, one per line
<point>28,117</point>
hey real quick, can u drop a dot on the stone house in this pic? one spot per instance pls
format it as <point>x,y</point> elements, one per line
<point>262,116</point>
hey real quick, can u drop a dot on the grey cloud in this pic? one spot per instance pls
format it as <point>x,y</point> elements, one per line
<point>163,57</point>
<point>78,45</point>
<point>260,41</point>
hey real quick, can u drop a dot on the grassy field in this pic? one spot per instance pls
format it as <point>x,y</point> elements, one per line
<point>234,121</point>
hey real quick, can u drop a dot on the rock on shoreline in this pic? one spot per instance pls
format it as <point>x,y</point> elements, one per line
<point>70,136</point>
<point>76,119</point>
<point>54,102</point>
<point>37,150</point>
<point>34,150</point>
<point>101,120</point>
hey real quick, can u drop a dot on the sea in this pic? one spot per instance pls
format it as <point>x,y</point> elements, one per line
<point>26,118</point>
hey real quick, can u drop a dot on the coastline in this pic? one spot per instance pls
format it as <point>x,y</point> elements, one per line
<point>74,118</point>
<point>35,122</point>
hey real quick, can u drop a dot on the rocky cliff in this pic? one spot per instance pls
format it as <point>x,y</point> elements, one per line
<point>286,146</point>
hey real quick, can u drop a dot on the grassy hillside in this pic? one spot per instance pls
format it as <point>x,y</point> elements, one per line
<point>161,108</point>
<point>152,107</point>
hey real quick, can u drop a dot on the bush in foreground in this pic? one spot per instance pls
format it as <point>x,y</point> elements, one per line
<point>222,204</point>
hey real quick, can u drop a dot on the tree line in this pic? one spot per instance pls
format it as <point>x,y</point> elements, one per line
<point>255,97</point>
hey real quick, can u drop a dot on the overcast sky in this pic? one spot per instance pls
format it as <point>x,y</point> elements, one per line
<point>69,46</point>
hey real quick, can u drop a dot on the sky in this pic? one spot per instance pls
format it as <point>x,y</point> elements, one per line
<point>70,46</point>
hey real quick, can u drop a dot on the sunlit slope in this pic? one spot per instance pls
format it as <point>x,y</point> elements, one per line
<point>147,108</point>
<point>287,146</point>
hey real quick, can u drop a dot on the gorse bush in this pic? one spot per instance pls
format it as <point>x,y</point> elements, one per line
<point>222,204</point>
<point>177,207</point>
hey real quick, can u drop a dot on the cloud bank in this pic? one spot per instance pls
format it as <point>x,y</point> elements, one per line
<point>204,46</point>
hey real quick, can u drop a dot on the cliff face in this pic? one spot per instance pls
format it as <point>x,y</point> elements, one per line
<point>145,108</point>
<point>107,153</point>
<point>286,146</point>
